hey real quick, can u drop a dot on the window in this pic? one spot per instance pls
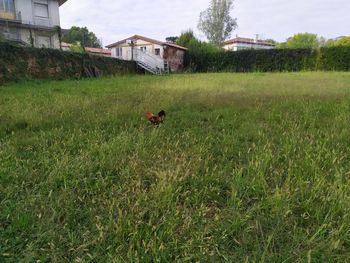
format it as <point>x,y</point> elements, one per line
<point>157,51</point>
<point>10,33</point>
<point>41,9</point>
<point>43,41</point>
<point>119,51</point>
<point>7,6</point>
<point>143,49</point>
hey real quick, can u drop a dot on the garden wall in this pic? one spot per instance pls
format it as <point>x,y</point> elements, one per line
<point>274,60</point>
<point>32,63</point>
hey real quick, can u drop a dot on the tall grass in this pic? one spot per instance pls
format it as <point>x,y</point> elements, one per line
<point>246,168</point>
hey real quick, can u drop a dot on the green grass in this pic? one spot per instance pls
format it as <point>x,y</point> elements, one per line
<point>246,168</point>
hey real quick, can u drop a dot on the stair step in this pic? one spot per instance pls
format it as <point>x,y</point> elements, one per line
<point>152,65</point>
<point>155,70</point>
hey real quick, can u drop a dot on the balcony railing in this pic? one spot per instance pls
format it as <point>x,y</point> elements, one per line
<point>11,16</point>
<point>17,18</point>
<point>12,36</point>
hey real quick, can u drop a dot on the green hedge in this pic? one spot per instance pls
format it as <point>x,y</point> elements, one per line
<point>334,58</point>
<point>273,60</point>
<point>18,62</point>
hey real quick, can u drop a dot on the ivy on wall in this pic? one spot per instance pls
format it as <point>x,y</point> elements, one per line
<point>32,63</point>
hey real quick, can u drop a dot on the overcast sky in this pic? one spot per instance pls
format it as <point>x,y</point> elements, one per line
<point>277,19</point>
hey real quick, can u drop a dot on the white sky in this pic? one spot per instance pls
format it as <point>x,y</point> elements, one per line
<point>277,19</point>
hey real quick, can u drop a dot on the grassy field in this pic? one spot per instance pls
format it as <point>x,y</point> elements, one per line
<point>246,168</point>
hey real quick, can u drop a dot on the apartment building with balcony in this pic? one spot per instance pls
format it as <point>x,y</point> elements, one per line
<point>31,21</point>
<point>240,43</point>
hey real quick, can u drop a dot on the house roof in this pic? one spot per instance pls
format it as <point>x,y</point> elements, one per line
<point>65,45</point>
<point>61,2</point>
<point>338,38</point>
<point>135,37</point>
<point>101,51</point>
<point>242,40</point>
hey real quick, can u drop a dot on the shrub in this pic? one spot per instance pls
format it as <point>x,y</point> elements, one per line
<point>274,60</point>
<point>334,58</point>
<point>33,63</point>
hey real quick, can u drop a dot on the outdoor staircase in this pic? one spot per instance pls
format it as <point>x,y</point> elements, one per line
<point>149,62</point>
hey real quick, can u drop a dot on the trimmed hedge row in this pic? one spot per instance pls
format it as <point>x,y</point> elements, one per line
<point>32,63</point>
<point>273,60</point>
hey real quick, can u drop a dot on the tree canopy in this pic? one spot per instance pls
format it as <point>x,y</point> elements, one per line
<point>345,41</point>
<point>303,40</point>
<point>216,22</point>
<point>171,39</point>
<point>185,38</point>
<point>188,39</point>
<point>81,35</point>
<point>271,41</point>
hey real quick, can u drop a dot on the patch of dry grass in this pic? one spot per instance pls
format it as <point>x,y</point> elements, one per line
<point>246,168</point>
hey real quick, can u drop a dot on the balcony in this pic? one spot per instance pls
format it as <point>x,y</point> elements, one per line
<point>10,16</point>
<point>12,36</point>
<point>10,33</point>
<point>15,19</point>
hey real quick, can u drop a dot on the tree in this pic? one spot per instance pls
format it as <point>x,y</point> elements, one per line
<point>302,40</point>
<point>76,47</point>
<point>59,34</point>
<point>282,45</point>
<point>185,38</point>
<point>322,42</point>
<point>171,39</point>
<point>271,41</point>
<point>31,38</point>
<point>216,22</point>
<point>345,41</point>
<point>82,35</point>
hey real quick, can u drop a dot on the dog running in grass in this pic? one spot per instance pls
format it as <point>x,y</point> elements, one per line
<point>155,119</point>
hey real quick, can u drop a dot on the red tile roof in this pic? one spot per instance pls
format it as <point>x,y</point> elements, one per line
<point>101,51</point>
<point>65,45</point>
<point>136,37</point>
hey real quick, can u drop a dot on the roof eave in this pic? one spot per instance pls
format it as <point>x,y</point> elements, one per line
<point>61,2</point>
<point>246,42</point>
<point>145,39</point>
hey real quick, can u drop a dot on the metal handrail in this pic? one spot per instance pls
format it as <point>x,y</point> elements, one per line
<point>155,62</point>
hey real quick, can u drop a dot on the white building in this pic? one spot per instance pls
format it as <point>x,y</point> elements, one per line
<point>338,38</point>
<point>152,55</point>
<point>240,43</point>
<point>31,21</point>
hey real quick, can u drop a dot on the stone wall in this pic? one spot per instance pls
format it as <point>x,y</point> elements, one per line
<point>175,58</point>
<point>31,63</point>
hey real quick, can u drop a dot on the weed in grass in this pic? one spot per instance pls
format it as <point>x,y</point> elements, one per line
<point>246,168</point>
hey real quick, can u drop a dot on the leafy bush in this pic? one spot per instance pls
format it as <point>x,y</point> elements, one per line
<point>33,63</point>
<point>185,38</point>
<point>341,42</point>
<point>334,58</point>
<point>274,60</point>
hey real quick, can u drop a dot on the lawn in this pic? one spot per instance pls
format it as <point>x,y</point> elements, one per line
<point>246,168</point>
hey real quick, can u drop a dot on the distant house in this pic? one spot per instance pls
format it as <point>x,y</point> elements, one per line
<point>338,38</point>
<point>91,50</point>
<point>240,43</point>
<point>152,55</point>
<point>99,51</point>
<point>31,21</point>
